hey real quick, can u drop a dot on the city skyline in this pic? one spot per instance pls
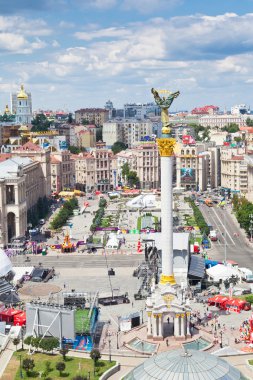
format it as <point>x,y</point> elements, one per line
<point>73,54</point>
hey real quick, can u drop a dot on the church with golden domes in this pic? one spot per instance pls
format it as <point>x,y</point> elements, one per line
<point>21,106</point>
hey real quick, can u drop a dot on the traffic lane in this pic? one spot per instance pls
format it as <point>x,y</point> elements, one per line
<point>218,223</point>
<point>221,219</point>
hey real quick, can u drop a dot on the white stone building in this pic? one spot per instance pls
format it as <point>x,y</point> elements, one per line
<point>234,170</point>
<point>195,166</point>
<point>221,121</point>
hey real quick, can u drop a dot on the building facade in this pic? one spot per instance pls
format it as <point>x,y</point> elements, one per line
<point>96,116</point>
<point>195,167</point>
<point>234,170</point>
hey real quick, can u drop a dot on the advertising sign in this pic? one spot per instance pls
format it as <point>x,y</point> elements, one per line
<point>187,175</point>
<point>188,140</point>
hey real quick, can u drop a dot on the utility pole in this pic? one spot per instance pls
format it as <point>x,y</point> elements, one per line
<point>251,226</point>
<point>225,238</point>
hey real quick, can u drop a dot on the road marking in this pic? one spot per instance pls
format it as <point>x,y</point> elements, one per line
<point>224,227</point>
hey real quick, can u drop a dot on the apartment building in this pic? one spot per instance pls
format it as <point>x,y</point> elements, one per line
<point>128,131</point>
<point>146,162</point>
<point>234,170</point>
<point>195,166</point>
<point>96,116</point>
<point>61,174</point>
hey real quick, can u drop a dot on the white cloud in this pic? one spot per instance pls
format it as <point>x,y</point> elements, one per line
<point>102,33</point>
<point>55,44</point>
<point>20,25</point>
<point>12,42</point>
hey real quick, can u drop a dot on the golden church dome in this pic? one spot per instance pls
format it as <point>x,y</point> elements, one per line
<point>22,94</point>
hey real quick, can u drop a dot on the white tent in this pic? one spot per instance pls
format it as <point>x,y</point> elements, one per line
<point>5,264</point>
<point>222,272</point>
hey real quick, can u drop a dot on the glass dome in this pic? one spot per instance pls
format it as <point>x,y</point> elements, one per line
<point>184,365</point>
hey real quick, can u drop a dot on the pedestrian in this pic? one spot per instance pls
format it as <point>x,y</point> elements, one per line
<point>132,304</point>
<point>168,320</point>
<point>64,285</point>
<point>167,342</point>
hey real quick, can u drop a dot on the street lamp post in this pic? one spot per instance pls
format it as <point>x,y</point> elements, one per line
<point>110,351</point>
<point>251,226</point>
<point>20,366</point>
<point>221,339</point>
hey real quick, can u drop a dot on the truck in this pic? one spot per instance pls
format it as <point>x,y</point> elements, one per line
<point>213,235</point>
<point>209,202</point>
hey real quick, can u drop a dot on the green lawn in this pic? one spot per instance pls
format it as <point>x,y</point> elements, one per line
<point>82,321</point>
<point>74,366</point>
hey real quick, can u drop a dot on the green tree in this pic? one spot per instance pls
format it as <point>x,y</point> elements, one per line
<point>86,122</point>
<point>125,169</point>
<point>70,118</point>
<point>16,342</point>
<point>231,128</point>
<point>76,149</point>
<point>95,356</point>
<point>28,340</point>
<point>40,123</point>
<point>132,178</point>
<point>118,146</point>
<point>238,139</point>
<point>28,365</point>
<point>49,344</point>
<point>64,352</point>
<point>60,366</point>
<point>249,122</point>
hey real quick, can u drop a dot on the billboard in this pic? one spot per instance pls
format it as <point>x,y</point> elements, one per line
<point>187,175</point>
<point>188,140</point>
<point>52,320</point>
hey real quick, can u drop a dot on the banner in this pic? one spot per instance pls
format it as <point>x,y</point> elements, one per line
<point>187,175</point>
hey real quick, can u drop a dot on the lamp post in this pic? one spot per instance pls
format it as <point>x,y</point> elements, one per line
<point>251,226</point>
<point>110,351</point>
<point>141,311</point>
<point>20,367</point>
<point>221,333</point>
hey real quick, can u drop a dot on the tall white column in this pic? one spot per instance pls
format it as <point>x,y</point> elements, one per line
<point>166,214</point>
<point>166,150</point>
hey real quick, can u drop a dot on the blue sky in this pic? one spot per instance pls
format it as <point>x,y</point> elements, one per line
<point>80,53</point>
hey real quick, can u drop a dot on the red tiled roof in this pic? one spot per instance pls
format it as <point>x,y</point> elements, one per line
<point>30,146</point>
<point>237,158</point>
<point>54,160</point>
<point>5,156</point>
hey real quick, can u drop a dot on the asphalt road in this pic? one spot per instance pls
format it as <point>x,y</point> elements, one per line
<point>79,261</point>
<point>237,248</point>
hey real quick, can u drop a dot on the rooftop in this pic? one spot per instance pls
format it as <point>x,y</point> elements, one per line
<point>184,365</point>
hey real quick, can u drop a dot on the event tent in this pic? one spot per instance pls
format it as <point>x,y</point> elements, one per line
<point>222,272</point>
<point>7,315</point>
<point>5,264</point>
<point>20,319</point>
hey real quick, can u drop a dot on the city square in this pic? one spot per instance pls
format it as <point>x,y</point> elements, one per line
<point>126,190</point>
